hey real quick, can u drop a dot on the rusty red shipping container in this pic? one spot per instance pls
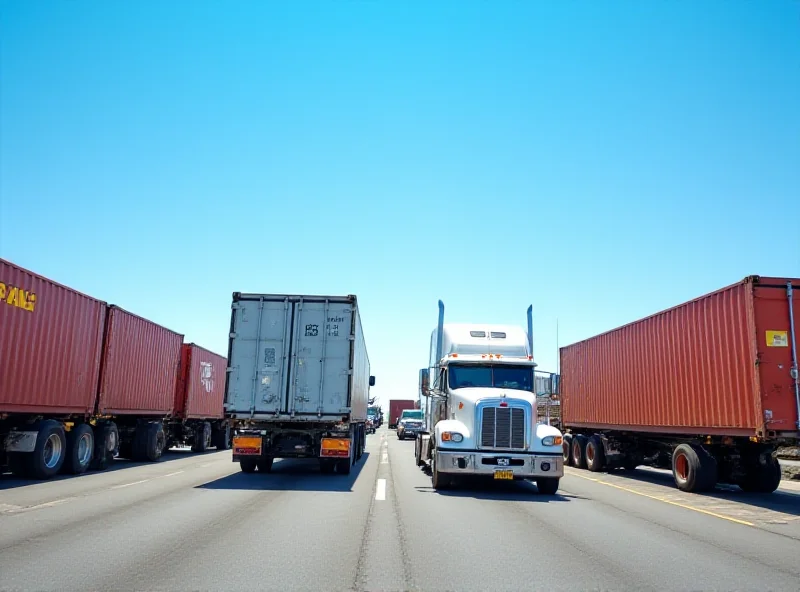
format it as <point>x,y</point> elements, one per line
<point>201,388</point>
<point>717,365</point>
<point>50,344</point>
<point>139,369</point>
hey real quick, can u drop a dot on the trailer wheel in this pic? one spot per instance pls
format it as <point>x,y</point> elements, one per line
<point>148,441</point>
<point>566,448</point>
<point>48,457</point>
<point>579,451</point>
<point>547,485</point>
<point>106,445</point>
<point>264,464</point>
<point>80,449</point>
<point>248,465</point>
<point>762,476</point>
<point>693,468</point>
<point>222,437</point>
<point>202,437</point>
<point>595,454</point>
<point>343,466</point>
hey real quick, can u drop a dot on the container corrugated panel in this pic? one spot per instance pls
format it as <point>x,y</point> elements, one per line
<point>719,364</point>
<point>201,394</point>
<point>50,343</point>
<point>297,356</point>
<point>140,366</point>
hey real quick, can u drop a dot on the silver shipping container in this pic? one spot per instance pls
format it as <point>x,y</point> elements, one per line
<point>297,358</point>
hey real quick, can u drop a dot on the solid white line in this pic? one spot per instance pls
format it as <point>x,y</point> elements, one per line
<point>129,484</point>
<point>380,491</point>
<point>173,474</point>
<point>384,459</point>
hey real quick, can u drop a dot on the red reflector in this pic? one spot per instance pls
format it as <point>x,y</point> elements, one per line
<point>503,404</point>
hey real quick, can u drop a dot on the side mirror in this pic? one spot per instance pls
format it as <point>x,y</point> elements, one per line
<point>424,382</point>
<point>372,381</point>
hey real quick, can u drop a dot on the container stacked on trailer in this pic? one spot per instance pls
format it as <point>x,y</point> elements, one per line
<point>82,381</point>
<point>708,389</point>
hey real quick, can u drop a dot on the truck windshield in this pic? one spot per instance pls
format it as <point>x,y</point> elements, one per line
<point>493,376</point>
<point>412,415</point>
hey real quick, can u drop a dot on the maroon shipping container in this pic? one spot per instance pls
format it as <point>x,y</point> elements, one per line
<point>50,343</point>
<point>201,388</point>
<point>139,370</point>
<point>718,365</point>
<point>396,408</point>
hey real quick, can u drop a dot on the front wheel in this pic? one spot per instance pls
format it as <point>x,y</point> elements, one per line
<point>438,480</point>
<point>547,485</point>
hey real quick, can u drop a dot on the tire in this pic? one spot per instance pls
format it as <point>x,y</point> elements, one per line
<point>343,466</point>
<point>264,464</point>
<point>327,466</point>
<point>248,465</point>
<point>693,468</point>
<point>762,476</point>
<point>579,451</point>
<point>80,449</point>
<point>595,454</point>
<point>49,455</point>
<point>149,441</point>
<point>222,437</point>
<point>438,480</point>
<point>418,451</point>
<point>106,445</point>
<point>202,437</point>
<point>547,485</point>
<point>566,449</point>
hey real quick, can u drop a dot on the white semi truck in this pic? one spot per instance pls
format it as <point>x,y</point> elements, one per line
<point>480,408</point>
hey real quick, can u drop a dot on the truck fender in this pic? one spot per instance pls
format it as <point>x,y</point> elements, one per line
<point>451,425</point>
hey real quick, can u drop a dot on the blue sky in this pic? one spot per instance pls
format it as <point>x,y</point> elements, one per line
<point>600,160</point>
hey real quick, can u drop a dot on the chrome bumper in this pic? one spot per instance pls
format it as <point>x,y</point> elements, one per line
<point>523,465</point>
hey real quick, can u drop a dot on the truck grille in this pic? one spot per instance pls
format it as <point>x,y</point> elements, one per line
<point>503,427</point>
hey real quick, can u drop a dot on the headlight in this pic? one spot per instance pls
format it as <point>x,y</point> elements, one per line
<point>552,440</point>
<point>451,437</point>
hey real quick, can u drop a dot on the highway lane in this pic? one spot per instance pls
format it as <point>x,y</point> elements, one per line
<point>195,522</point>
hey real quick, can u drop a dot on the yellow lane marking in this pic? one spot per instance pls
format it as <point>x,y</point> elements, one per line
<point>661,499</point>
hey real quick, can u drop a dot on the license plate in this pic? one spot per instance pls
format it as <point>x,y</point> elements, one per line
<point>247,445</point>
<point>504,474</point>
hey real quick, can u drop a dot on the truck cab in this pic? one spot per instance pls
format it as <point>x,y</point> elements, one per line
<point>480,408</point>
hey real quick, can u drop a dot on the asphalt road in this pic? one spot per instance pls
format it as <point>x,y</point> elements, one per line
<point>194,522</point>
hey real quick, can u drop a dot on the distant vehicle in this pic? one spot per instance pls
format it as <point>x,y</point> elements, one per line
<point>708,389</point>
<point>371,424</point>
<point>82,382</point>
<point>376,414</point>
<point>299,380</point>
<point>481,408</point>
<point>396,408</point>
<point>412,422</point>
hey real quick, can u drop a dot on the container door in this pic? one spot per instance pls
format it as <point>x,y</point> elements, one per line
<point>774,353</point>
<point>259,356</point>
<point>321,358</point>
